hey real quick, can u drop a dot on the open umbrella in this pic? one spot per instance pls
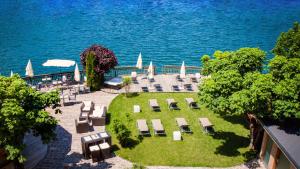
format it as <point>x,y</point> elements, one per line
<point>76,74</point>
<point>139,63</point>
<point>59,63</point>
<point>182,71</point>
<point>29,70</point>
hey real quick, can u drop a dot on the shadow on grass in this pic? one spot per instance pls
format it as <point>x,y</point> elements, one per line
<point>236,119</point>
<point>231,143</point>
<point>107,118</point>
<point>131,95</point>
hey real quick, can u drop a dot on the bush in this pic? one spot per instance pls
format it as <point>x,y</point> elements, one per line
<point>93,79</point>
<point>122,132</point>
<point>126,82</point>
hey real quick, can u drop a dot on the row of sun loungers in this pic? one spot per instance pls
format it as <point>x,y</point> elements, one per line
<point>181,122</point>
<point>172,104</point>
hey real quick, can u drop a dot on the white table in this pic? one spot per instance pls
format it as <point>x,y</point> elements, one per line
<point>136,109</point>
<point>176,136</point>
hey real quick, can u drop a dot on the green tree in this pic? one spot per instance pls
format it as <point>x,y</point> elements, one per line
<point>22,110</point>
<point>288,43</point>
<point>93,78</point>
<point>126,82</point>
<point>285,69</point>
<point>233,74</point>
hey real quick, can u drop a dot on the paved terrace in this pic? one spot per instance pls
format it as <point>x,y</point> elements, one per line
<point>65,151</point>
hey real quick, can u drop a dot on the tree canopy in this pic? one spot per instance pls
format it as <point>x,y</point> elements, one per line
<point>22,110</point>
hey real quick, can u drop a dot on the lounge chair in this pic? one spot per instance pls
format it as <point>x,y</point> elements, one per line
<point>172,104</point>
<point>158,87</point>
<point>98,116</point>
<point>158,127</point>
<point>191,103</point>
<point>188,87</point>
<point>194,79</point>
<point>183,125</point>
<point>82,126</point>
<point>145,89</point>
<point>142,127</point>
<point>206,125</point>
<point>178,78</point>
<point>154,105</point>
<point>175,88</point>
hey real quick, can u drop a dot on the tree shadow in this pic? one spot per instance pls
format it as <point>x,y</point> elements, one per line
<point>131,143</point>
<point>231,143</point>
<point>236,119</point>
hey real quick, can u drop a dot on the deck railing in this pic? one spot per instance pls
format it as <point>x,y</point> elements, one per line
<point>117,71</point>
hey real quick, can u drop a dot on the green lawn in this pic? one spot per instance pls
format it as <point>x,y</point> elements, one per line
<point>227,147</point>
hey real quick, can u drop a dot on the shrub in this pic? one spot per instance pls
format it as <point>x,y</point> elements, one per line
<point>126,83</point>
<point>122,132</point>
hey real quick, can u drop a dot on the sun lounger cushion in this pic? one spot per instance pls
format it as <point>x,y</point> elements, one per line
<point>205,122</point>
<point>157,126</point>
<point>181,122</point>
<point>153,103</point>
<point>142,125</point>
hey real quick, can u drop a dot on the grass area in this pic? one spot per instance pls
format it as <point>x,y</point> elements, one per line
<point>227,147</point>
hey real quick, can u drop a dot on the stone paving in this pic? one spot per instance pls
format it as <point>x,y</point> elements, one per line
<point>65,151</point>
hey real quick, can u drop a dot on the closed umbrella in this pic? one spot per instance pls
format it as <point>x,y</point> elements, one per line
<point>150,71</point>
<point>182,71</point>
<point>139,63</point>
<point>76,74</point>
<point>29,70</point>
<point>11,73</point>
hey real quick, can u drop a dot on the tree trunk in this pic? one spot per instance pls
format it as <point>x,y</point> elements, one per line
<point>255,132</point>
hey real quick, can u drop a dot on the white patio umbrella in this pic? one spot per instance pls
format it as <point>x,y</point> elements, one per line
<point>76,74</point>
<point>11,73</point>
<point>182,71</point>
<point>59,63</point>
<point>29,70</point>
<point>139,63</point>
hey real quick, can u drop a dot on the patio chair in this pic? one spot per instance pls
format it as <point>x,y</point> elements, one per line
<point>82,126</point>
<point>154,105</point>
<point>172,104</point>
<point>175,88</point>
<point>142,127</point>
<point>145,89</point>
<point>207,126</point>
<point>188,87</point>
<point>134,76</point>
<point>191,103</point>
<point>158,87</point>
<point>72,97</point>
<point>87,106</point>
<point>183,125</point>
<point>158,127</point>
<point>98,116</point>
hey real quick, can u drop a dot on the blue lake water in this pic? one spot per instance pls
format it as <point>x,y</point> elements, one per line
<point>165,31</point>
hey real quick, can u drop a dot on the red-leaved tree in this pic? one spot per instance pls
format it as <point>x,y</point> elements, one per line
<point>104,60</point>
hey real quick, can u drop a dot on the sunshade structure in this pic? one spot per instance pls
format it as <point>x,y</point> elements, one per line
<point>182,71</point>
<point>59,63</point>
<point>150,71</point>
<point>11,73</point>
<point>29,70</point>
<point>76,74</point>
<point>139,63</point>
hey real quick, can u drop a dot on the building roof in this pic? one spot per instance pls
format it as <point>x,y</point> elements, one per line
<point>287,137</point>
